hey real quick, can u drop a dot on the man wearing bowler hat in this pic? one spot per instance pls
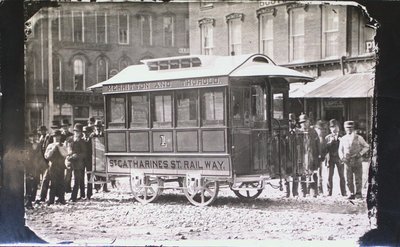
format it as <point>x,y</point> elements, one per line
<point>65,130</point>
<point>55,125</point>
<point>351,149</point>
<point>308,141</point>
<point>76,157</point>
<point>87,130</point>
<point>332,145</point>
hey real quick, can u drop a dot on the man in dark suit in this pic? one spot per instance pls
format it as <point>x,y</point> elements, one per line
<point>76,157</point>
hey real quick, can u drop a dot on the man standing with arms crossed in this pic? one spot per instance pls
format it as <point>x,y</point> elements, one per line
<point>351,149</point>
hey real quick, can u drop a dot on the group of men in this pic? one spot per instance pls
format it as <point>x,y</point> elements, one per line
<point>314,148</point>
<point>57,155</point>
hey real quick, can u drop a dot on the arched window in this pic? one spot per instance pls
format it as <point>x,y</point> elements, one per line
<point>79,74</point>
<point>102,69</point>
<point>168,31</point>
<point>124,62</point>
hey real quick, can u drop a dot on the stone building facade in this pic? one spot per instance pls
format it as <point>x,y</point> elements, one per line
<point>331,42</point>
<point>89,43</point>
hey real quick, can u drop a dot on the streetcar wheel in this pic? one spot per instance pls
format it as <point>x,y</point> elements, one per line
<point>203,195</point>
<point>249,194</point>
<point>148,191</point>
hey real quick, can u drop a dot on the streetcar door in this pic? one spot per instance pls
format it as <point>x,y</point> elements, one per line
<point>260,130</point>
<point>241,133</point>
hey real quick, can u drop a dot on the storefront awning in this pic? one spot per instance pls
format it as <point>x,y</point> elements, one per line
<point>358,85</point>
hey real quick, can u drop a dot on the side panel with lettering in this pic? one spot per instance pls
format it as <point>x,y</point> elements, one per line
<point>210,166</point>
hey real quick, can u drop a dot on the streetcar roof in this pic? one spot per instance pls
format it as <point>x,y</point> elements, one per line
<point>199,66</point>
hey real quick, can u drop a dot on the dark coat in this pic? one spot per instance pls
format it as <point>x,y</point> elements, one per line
<point>77,153</point>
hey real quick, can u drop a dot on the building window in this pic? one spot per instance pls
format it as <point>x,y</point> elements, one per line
<point>56,26</point>
<point>102,69</point>
<point>123,63</point>
<point>330,31</point>
<point>187,32</point>
<point>296,33</point>
<point>235,36</point>
<point>79,74</point>
<point>57,73</point>
<point>123,28</point>
<point>267,34</point>
<point>78,26</point>
<point>146,30</point>
<point>101,27</point>
<point>168,31</point>
<point>207,39</point>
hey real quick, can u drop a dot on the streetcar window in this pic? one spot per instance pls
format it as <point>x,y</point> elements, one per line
<point>212,104</point>
<point>162,110</point>
<point>117,111</point>
<point>277,106</point>
<point>186,108</point>
<point>241,107</point>
<point>258,106</point>
<point>139,111</point>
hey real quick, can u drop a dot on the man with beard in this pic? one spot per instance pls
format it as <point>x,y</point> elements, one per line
<point>76,157</point>
<point>55,154</point>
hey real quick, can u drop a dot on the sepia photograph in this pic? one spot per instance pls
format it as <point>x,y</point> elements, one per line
<point>199,123</point>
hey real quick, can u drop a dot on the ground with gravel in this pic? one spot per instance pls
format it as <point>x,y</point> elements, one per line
<point>115,217</point>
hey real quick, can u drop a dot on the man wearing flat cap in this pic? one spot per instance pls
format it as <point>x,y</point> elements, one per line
<point>351,149</point>
<point>332,143</point>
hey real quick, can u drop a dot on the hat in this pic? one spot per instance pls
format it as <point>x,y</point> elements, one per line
<point>333,123</point>
<point>302,118</point>
<point>78,127</point>
<point>42,128</point>
<point>98,123</point>
<point>91,120</point>
<point>320,124</point>
<point>55,124</point>
<point>349,124</point>
<point>56,133</point>
<point>87,129</point>
<point>292,116</point>
<point>65,122</point>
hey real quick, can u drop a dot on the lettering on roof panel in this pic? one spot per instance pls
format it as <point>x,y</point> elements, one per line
<point>165,85</point>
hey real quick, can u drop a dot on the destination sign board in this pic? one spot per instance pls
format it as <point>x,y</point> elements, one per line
<point>165,85</point>
<point>211,166</point>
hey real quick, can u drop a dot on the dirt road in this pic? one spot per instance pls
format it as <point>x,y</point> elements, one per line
<point>115,217</point>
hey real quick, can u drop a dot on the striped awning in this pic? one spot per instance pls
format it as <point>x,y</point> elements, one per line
<point>359,85</point>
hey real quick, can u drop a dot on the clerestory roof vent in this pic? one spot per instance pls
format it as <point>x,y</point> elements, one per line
<point>174,63</point>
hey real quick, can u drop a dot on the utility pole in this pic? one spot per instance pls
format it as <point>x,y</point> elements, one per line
<point>50,65</point>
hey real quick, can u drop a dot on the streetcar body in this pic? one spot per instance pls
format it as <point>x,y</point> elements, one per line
<point>197,120</point>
